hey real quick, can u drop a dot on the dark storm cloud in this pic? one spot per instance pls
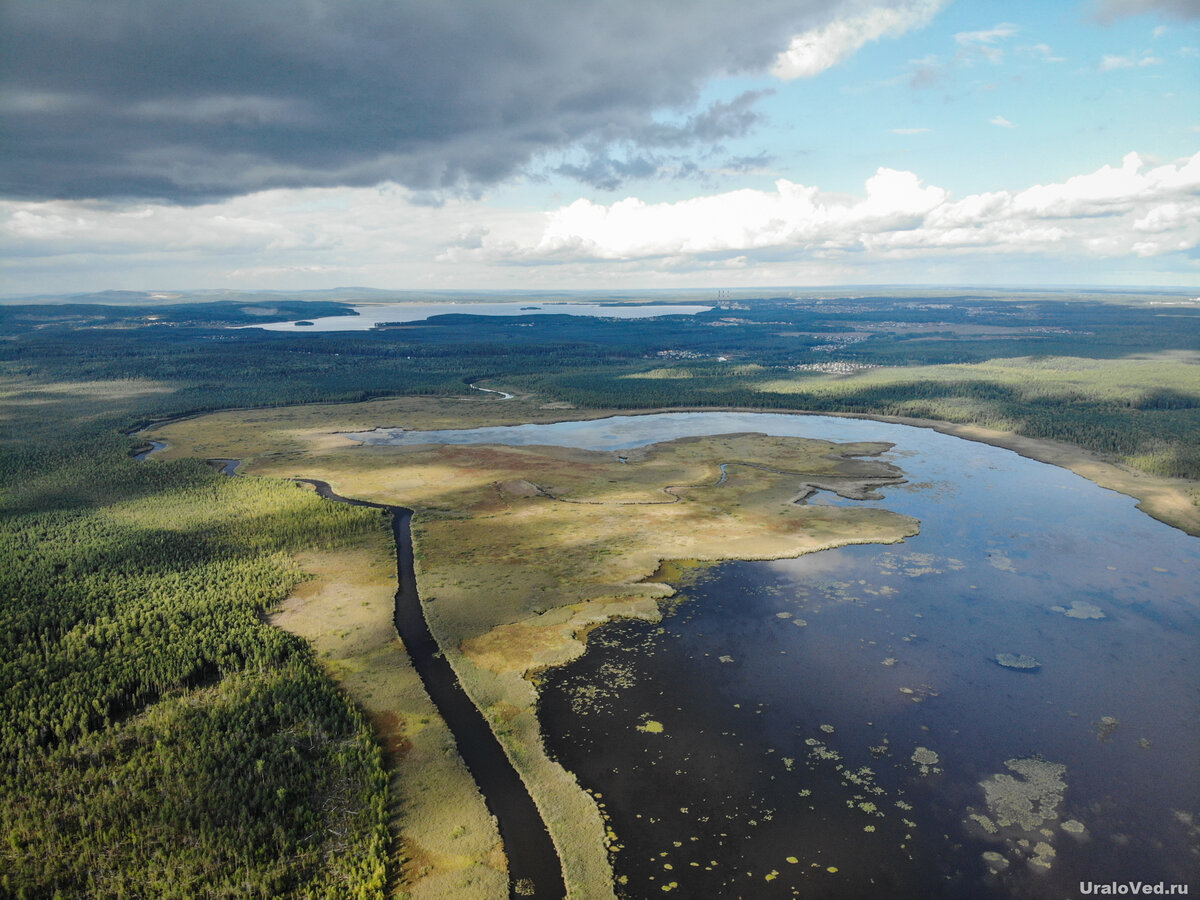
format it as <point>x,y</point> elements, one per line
<point>702,132</point>
<point>608,174</point>
<point>721,120</point>
<point>190,101</point>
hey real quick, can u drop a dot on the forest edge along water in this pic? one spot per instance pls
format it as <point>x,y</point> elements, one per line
<point>534,869</point>
<point>1035,627</point>
<point>1027,558</point>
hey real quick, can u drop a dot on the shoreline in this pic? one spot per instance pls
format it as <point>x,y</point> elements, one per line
<point>1164,499</point>
<point>534,864</point>
<point>1158,496</point>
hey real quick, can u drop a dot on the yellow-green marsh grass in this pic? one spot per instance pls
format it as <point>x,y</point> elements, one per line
<point>1175,501</point>
<point>446,840</point>
<point>521,550</point>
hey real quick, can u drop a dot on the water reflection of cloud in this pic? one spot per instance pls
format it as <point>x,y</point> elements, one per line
<point>810,567</point>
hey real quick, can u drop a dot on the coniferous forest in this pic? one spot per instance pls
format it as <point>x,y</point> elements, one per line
<point>160,739</point>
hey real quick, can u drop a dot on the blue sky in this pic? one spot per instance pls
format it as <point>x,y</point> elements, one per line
<point>838,142</point>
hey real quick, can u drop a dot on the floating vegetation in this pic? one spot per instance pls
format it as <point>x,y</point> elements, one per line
<point>594,696</point>
<point>1043,855</point>
<point>1080,609</point>
<point>650,726</point>
<point>828,729</point>
<point>1000,560</point>
<point>1073,826</point>
<point>1105,727</point>
<point>926,761</point>
<point>1029,801</point>
<point>996,862</point>
<point>914,564</point>
<point>1018,661</point>
<point>983,822</point>
<point>817,750</point>
<point>925,757</point>
<point>1022,810</point>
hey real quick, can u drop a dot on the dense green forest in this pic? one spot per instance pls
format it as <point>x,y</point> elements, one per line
<point>1118,377</point>
<point>160,740</point>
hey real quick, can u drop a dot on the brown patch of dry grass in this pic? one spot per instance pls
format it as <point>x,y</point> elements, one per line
<point>442,829</point>
<point>522,549</point>
<point>547,641</point>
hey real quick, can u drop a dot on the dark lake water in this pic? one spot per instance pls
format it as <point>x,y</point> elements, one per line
<point>837,725</point>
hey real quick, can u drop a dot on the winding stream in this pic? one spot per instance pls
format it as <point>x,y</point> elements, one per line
<point>155,447</point>
<point>534,869</point>
<point>844,724</point>
<point>837,725</point>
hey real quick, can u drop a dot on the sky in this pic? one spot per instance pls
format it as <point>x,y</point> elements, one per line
<point>597,144</point>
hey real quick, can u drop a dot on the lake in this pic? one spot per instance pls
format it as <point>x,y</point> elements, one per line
<point>838,724</point>
<point>370,316</point>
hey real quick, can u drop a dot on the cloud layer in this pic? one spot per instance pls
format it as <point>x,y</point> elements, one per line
<point>818,49</point>
<point>187,102</point>
<point>793,234</point>
<point>1134,209</point>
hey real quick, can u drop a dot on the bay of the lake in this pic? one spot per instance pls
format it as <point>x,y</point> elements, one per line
<point>368,316</point>
<point>838,725</point>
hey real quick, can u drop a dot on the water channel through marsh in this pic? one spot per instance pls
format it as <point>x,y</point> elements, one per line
<point>851,724</point>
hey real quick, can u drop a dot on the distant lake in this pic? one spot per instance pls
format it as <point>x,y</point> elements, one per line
<point>837,725</point>
<point>370,316</point>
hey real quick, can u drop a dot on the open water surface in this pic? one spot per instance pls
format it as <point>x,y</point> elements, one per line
<point>370,316</point>
<point>837,726</point>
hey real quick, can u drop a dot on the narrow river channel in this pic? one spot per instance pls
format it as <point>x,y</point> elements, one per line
<point>534,869</point>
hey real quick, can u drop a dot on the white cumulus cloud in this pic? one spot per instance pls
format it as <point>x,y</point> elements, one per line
<point>1130,210</point>
<point>984,43</point>
<point>1111,63</point>
<point>1137,210</point>
<point>987,36</point>
<point>814,51</point>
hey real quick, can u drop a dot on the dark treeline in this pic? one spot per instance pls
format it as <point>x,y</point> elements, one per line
<point>1154,430</point>
<point>158,739</point>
